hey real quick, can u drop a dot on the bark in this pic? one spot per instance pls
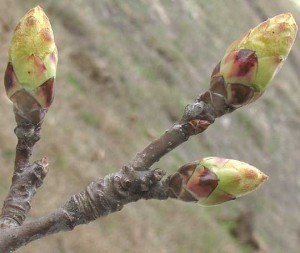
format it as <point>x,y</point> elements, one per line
<point>131,183</point>
<point>26,178</point>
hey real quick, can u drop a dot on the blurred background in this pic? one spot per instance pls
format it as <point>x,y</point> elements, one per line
<point>126,71</point>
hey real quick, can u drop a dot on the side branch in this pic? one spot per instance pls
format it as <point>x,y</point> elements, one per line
<point>100,198</point>
<point>132,183</point>
<point>236,81</point>
<point>26,178</point>
<point>196,118</point>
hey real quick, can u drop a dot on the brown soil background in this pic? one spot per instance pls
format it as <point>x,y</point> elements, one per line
<point>126,71</point>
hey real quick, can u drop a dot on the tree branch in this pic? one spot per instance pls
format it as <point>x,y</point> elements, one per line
<point>133,182</point>
<point>236,81</point>
<point>196,118</point>
<point>100,198</point>
<point>26,178</point>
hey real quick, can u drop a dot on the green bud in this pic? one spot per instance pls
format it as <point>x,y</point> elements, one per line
<point>214,180</point>
<point>251,62</point>
<point>31,69</point>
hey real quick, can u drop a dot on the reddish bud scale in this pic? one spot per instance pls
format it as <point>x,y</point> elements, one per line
<point>190,184</point>
<point>203,184</point>
<point>29,106</point>
<point>245,61</point>
<point>214,180</point>
<point>10,79</point>
<point>250,63</point>
<point>243,66</point>
<point>30,73</point>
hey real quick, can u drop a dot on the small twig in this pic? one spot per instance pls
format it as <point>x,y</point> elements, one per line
<point>100,198</point>
<point>197,117</point>
<point>133,182</point>
<point>26,178</point>
<point>236,81</point>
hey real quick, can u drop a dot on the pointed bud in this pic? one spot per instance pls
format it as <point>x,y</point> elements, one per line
<point>31,70</point>
<point>250,63</point>
<point>214,180</point>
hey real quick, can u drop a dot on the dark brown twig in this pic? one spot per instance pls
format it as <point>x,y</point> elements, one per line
<point>104,196</point>
<point>100,198</point>
<point>196,118</point>
<point>26,178</point>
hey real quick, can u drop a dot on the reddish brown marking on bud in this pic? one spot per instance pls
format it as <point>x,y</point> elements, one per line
<point>53,57</point>
<point>10,79</point>
<point>27,108</point>
<point>188,169</point>
<point>46,92</point>
<point>196,126</point>
<point>24,101</point>
<point>199,125</point>
<point>250,174</point>
<point>176,183</point>
<point>208,177</point>
<point>220,161</point>
<point>206,97</point>
<point>219,103</point>
<point>222,197</point>
<point>282,28</point>
<point>187,197</point>
<point>240,94</point>
<point>216,70</point>
<point>31,21</point>
<point>203,184</point>
<point>18,26</point>
<point>39,64</point>
<point>46,35</point>
<point>247,187</point>
<point>218,85</point>
<point>246,59</point>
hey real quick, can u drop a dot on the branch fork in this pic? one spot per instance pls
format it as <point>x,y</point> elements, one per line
<point>29,82</point>
<point>133,182</point>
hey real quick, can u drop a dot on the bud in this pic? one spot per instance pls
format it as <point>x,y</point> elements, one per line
<point>251,62</point>
<point>215,180</point>
<point>31,69</point>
